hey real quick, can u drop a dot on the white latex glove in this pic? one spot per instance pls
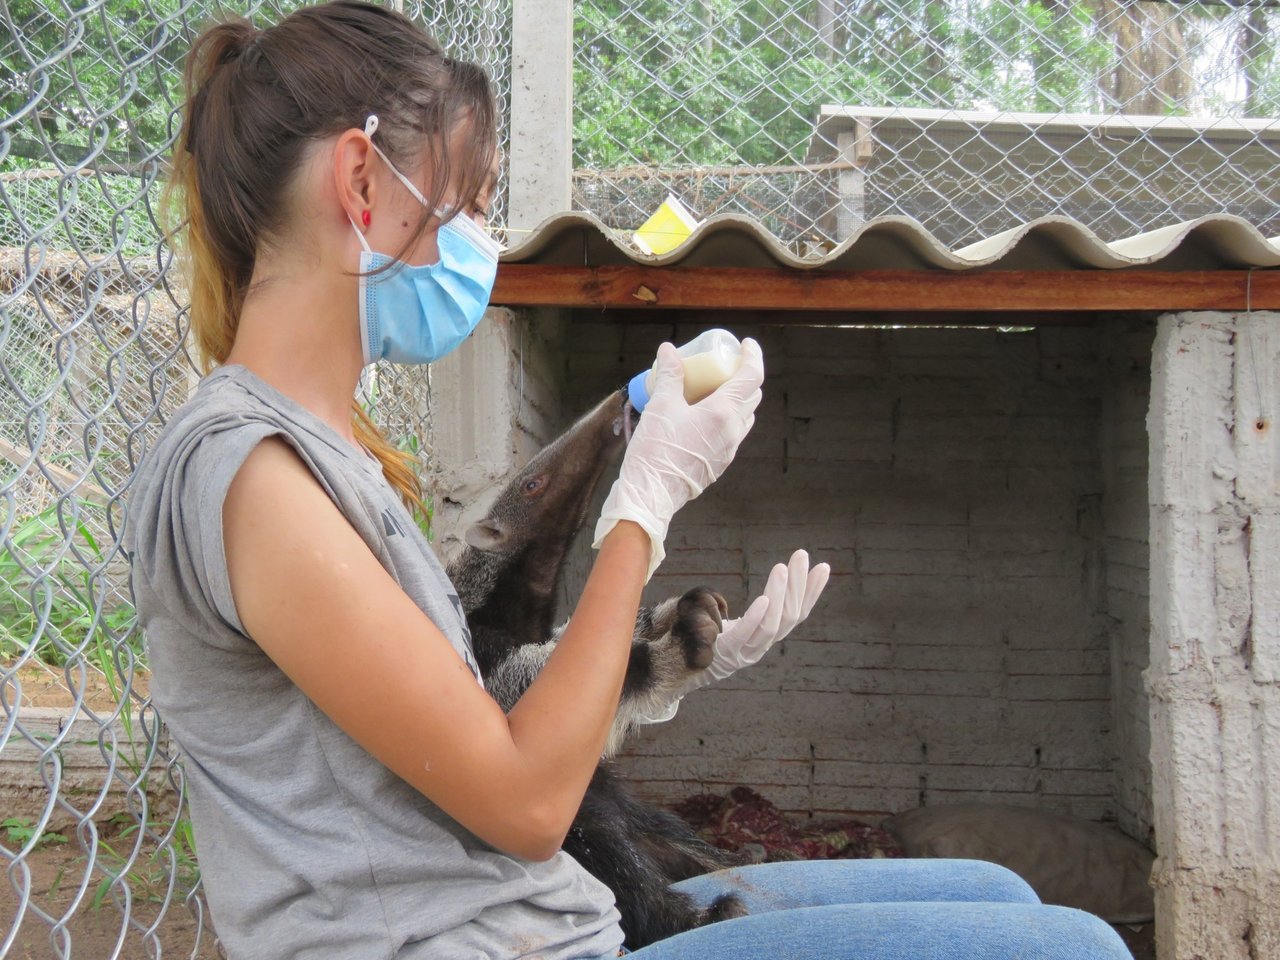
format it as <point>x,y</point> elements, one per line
<point>679,449</point>
<point>789,596</point>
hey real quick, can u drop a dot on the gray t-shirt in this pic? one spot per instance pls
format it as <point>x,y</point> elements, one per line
<point>309,847</point>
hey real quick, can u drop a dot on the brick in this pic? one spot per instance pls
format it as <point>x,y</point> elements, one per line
<point>595,338</point>
<point>937,796</point>
<point>1050,663</point>
<point>845,365</point>
<point>933,657</point>
<point>1062,687</point>
<point>922,715</point>
<point>914,562</point>
<point>862,802</point>
<point>746,743</point>
<point>915,536</point>
<point>762,771</point>
<point>1077,783</point>
<point>956,425</point>
<point>838,398</point>
<point>946,343</point>
<point>1020,508</point>
<point>867,750</point>
<point>953,368</point>
<point>1068,369</point>
<point>1065,562</point>
<point>1099,809</point>
<point>671,792</point>
<point>1067,341</point>
<point>777,714</point>
<point>918,588</point>
<point>1010,779</point>
<point>1078,754</point>
<point>976,753</point>
<point>862,774</point>
<point>848,653</point>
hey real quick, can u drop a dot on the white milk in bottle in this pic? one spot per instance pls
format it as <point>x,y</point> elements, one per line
<point>709,360</point>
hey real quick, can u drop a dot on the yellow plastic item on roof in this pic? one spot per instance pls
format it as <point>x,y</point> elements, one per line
<point>669,227</point>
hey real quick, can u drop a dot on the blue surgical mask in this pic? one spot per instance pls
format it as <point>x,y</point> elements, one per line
<point>417,314</point>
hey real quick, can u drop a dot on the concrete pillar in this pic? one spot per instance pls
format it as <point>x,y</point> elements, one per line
<point>495,401</point>
<point>1215,635</point>
<point>541,161</point>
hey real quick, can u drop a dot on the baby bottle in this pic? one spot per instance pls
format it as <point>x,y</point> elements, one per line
<point>709,360</point>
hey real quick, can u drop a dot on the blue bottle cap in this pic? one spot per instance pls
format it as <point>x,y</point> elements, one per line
<point>637,392</point>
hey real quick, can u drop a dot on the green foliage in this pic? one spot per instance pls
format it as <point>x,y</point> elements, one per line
<point>741,81</point>
<point>156,877</point>
<point>22,831</point>
<point>107,95</point>
<point>51,603</point>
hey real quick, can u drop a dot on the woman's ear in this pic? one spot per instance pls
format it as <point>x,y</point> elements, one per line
<point>353,174</point>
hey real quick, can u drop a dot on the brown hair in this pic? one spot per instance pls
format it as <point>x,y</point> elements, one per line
<point>255,99</point>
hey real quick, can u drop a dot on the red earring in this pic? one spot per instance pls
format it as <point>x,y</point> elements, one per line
<point>365,217</point>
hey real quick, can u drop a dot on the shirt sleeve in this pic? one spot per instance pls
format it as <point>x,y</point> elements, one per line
<point>205,479</point>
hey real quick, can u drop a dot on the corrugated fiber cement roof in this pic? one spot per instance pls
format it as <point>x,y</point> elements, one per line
<point>1215,242</point>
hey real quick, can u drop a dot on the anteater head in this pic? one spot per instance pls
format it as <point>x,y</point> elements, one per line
<point>547,501</point>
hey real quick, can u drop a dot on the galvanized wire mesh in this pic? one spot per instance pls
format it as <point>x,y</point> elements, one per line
<point>971,116</point>
<point>98,852</point>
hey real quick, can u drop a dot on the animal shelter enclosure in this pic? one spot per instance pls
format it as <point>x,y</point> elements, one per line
<point>1038,522</point>
<point>1004,623</point>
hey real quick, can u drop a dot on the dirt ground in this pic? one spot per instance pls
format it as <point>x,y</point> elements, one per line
<point>57,871</point>
<point>44,686</point>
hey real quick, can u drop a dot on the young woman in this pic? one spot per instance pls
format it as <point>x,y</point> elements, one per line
<point>355,792</point>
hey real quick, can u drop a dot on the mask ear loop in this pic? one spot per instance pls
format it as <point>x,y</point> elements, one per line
<point>370,128</point>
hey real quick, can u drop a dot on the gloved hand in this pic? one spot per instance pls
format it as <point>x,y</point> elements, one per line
<point>789,596</point>
<point>679,449</point>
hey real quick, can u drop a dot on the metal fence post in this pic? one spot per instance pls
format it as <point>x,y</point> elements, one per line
<point>541,165</point>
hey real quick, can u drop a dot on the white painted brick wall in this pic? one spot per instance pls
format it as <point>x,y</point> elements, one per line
<point>954,480</point>
<point>1127,602</point>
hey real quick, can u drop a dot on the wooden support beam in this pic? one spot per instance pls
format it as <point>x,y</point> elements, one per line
<point>850,318</point>
<point>991,291</point>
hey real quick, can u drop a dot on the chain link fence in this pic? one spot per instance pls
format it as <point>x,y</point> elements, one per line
<point>814,116</point>
<point>99,856</point>
<point>971,116</point>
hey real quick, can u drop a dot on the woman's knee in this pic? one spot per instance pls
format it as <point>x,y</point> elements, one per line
<point>990,881</point>
<point>1088,935</point>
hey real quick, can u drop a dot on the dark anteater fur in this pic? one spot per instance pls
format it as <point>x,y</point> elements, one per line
<point>507,579</point>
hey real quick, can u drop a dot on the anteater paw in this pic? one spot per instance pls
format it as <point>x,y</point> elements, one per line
<point>725,907</point>
<point>699,616</point>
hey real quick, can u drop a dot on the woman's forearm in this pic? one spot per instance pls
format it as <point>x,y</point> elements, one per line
<point>561,723</point>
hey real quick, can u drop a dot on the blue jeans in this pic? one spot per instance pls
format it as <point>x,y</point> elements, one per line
<point>885,910</point>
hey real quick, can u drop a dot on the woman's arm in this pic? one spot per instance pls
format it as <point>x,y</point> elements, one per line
<point>318,602</point>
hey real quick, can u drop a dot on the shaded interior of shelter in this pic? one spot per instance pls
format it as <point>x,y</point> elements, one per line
<point>981,495</point>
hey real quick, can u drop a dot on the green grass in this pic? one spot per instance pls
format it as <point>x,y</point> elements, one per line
<point>50,601</point>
